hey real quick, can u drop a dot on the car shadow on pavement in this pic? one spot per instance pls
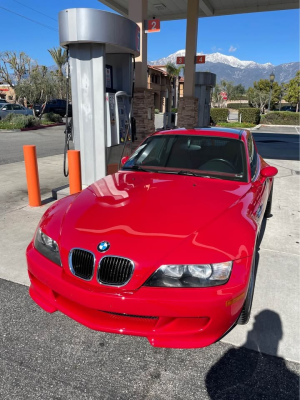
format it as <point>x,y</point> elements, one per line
<point>250,374</point>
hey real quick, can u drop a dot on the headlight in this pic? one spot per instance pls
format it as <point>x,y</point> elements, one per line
<point>193,275</point>
<point>47,246</point>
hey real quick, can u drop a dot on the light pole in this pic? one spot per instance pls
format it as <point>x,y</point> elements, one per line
<point>272,78</point>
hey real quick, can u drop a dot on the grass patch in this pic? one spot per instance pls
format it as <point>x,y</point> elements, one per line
<point>44,122</point>
<point>236,124</point>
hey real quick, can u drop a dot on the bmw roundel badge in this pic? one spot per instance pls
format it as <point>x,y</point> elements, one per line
<point>103,246</point>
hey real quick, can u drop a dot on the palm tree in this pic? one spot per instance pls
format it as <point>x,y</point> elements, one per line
<point>59,57</point>
<point>173,71</point>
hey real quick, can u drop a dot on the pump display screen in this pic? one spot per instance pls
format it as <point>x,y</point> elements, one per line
<point>109,77</point>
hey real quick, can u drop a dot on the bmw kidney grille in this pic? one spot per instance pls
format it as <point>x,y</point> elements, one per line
<point>114,271</point>
<point>82,263</point>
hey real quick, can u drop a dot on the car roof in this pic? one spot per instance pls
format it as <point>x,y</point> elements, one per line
<point>207,131</point>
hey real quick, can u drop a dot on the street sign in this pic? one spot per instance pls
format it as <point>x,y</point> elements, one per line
<point>200,59</point>
<point>180,60</point>
<point>152,25</point>
<point>223,95</point>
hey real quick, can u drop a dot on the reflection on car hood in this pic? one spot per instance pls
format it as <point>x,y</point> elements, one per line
<point>154,217</point>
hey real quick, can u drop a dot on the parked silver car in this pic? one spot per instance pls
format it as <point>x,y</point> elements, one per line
<point>7,108</point>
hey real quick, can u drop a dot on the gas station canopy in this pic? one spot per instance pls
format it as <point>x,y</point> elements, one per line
<point>177,9</point>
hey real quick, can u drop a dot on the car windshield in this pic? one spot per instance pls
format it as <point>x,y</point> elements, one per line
<point>203,156</point>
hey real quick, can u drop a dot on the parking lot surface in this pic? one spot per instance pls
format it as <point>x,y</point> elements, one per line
<point>49,356</point>
<point>52,357</point>
<point>49,142</point>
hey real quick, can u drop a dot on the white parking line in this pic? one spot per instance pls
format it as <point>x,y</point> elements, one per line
<point>297,129</point>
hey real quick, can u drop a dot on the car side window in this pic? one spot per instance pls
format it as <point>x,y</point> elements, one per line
<point>16,107</point>
<point>8,107</point>
<point>252,155</point>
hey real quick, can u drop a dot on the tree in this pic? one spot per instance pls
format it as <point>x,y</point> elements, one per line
<point>173,71</point>
<point>14,67</point>
<point>238,92</point>
<point>259,95</point>
<point>293,91</point>
<point>60,58</point>
<point>216,96</point>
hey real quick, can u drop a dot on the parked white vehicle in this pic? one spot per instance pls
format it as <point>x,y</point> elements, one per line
<point>8,108</point>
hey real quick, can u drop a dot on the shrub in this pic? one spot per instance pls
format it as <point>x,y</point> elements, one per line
<point>281,118</point>
<point>174,110</point>
<point>250,115</point>
<point>18,121</point>
<point>237,106</point>
<point>51,117</point>
<point>219,114</point>
<point>156,111</point>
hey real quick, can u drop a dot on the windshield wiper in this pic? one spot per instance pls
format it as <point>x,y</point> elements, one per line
<point>137,168</point>
<point>183,172</point>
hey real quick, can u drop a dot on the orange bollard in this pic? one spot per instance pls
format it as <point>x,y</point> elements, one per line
<point>32,176</point>
<point>74,171</point>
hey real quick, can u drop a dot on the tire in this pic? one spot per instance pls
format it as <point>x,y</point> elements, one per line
<point>246,310</point>
<point>268,212</point>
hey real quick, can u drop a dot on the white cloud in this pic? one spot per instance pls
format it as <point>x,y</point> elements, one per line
<point>232,49</point>
<point>215,48</point>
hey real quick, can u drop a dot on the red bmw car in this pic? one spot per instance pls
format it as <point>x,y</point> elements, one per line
<point>165,248</point>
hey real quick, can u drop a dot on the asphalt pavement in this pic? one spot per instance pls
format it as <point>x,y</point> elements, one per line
<point>278,142</point>
<point>49,356</point>
<point>48,141</point>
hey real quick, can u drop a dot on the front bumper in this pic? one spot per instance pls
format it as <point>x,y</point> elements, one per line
<point>167,317</point>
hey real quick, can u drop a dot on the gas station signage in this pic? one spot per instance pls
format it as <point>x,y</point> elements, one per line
<point>180,60</point>
<point>152,25</point>
<point>200,59</point>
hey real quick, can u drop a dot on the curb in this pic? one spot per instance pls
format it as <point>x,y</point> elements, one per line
<point>280,126</point>
<point>255,128</point>
<point>34,128</point>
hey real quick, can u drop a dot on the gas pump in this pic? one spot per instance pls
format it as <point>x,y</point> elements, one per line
<point>101,47</point>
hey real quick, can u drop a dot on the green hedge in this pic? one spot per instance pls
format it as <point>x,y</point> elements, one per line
<point>156,111</point>
<point>237,106</point>
<point>219,114</point>
<point>281,118</point>
<point>17,121</point>
<point>51,117</point>
<point>250,115</point>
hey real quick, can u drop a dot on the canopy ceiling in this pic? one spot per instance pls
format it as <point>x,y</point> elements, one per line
<point>167,10</point>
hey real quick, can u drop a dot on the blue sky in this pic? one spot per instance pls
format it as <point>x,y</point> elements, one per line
<point>261,37</point>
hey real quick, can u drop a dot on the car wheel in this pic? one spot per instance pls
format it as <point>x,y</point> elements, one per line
<point>246,310</point>
<point>269,204</point>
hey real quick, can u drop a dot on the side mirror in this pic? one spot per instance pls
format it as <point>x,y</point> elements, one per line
<point>124,160</point>
<point>269,172</point>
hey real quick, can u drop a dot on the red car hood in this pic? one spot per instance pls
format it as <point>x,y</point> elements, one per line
<point>156,218</point>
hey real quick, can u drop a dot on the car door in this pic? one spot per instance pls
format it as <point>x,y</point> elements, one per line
<point>260,186</point>
<point>7,109</point>
<point>17,109</point>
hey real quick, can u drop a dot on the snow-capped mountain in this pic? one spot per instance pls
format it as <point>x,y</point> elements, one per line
<point>232,69</point>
